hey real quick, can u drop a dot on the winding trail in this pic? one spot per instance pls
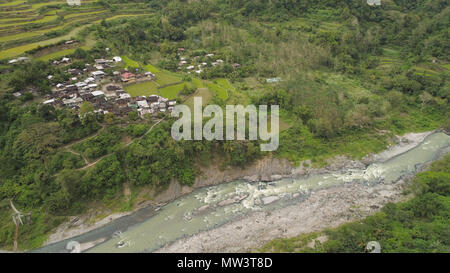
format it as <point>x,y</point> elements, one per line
<point>82,156</point>
<point>146,133</point>
<point>67,146</point>
<point>126,145</point>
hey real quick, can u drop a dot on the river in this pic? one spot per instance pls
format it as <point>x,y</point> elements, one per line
<point>210,207</point>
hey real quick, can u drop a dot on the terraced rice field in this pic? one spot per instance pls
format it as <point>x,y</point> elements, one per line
<point>13,3</point>
<point>15,51</point>
<point>142,89</point>
<point>151,68</point>
<point>57,54</point>
<point>21,22</point>
<point>154,88</point>
<point>171,92</point>
<point>220,91</point>
<point>19,36</point>
<point>29,34</point>
<point>198,83</point>
<point>7,20</point>
<point>204,93</point>
<point>45,19</point>
<point>39,5</point>
<point>76,15</point>
<point>164,78</point>
<point>129,62</point>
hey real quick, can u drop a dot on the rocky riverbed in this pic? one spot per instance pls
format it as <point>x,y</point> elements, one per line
<point>268,169</point>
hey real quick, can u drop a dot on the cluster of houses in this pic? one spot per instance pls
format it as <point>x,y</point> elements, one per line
<point>86,86</point>
<point>197,66</point>
<point>153,104</point>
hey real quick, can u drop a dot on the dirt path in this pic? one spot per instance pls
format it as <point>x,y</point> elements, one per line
<point>67,146</point>
<point>126,145</point>
<point>93,163</point>
<point>75,153</point>
<point>146,133</point>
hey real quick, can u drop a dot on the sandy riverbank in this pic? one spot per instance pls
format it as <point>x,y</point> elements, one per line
<point>267,169</point>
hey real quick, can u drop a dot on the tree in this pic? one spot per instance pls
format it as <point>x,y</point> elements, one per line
<point>86,107</point>
<point>109,118</point>
<point>133,115</point>
<point>425,98</point>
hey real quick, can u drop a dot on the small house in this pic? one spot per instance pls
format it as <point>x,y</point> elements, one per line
<point>125,96</point>
<point>98,74</point>
<point>92,86</point>
<point>153,98</point>
<point>50,101</point>
<point>374,2</point>
<point>98,93</point>
<point>73,2</point>
<point>100,61</point>
<point>143,104</point>
<point>89,79</point>
<point>72,102</point>
<point>127,76</point>
<point>117,59</point>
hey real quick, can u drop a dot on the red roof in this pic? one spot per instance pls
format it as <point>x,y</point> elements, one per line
<point>127,75</point>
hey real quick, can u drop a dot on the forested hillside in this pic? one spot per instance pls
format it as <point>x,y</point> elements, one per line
<point>347,76</point>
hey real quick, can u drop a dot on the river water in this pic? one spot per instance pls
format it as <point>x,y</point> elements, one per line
<point>210,207</point>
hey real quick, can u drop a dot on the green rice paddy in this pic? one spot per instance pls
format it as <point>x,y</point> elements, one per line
<point>142,89</point>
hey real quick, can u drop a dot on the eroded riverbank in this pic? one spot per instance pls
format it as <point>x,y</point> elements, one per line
<point>241,215</point>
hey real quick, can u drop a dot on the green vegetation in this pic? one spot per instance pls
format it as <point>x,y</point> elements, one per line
<point>12,3</point>
<point>351,76</point>
<point>57,54</point>
<point>171,92</point>
<point>166,78</point>
<point>151,68</point>
<point>220,91</point>
<point>146,88</point>
<point>129,63</point>
<point>106,142</point>
<point>43,22</point>
<point>204,93</point>
<point>421,224</point>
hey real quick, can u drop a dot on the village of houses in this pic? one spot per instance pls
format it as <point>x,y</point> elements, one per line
<point>105,93</point>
